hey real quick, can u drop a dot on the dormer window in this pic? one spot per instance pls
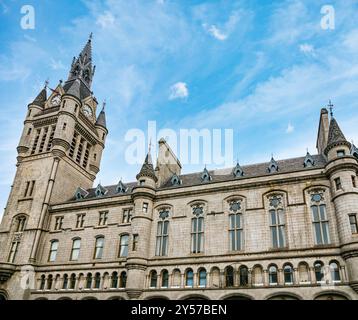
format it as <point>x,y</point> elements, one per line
<point>205,176</point>
<point>238,172</point>
<point>100,191</point>
<point>80,194</point>
<point>175,180</point>
<point>309,162</point>
<point>273,167</point>
<point>121,188</point>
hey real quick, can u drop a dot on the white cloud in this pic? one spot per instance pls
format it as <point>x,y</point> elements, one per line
<point>57,65</point>
<point>215,32</point>
<point>179,91</point>
<point>106,20</point>
<point>307,49</point>
<point>290,128</point>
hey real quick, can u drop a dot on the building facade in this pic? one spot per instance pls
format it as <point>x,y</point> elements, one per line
<point>277,230</point>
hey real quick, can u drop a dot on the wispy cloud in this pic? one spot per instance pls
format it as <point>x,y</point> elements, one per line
<point>307,49</point>
<point>179,91</point>
<point>290,128</point>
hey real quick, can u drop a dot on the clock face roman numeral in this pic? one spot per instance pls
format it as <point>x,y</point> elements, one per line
<point>56,100</point>
<point>87,111</point>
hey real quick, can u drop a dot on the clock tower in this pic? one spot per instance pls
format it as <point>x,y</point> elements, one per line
<point>60,149</point>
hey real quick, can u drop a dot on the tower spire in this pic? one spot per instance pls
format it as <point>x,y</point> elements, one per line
<point>330,106</point>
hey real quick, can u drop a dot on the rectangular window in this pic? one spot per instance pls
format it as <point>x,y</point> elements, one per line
<point>43,139</point>
<point>123,250</point>
<point>135,242</point>
<point>353,223</point>
<point>99,248</point>
<point>36,141</point>
<point>341,153</point>
<point>127,215</point>
<point>145,207</point>
<point>58,223</point>
<point>277,226</point>
<point>141,182</point>
<point>13,252</point>
<point>197,235</point>
<point>85,158</point>
<point>103,216</point>
<point>29,188</point>
<point>80,220</point>
<point>29,131</point>
<point>80,150</point>
<point>320,224</point>
<point>338,183</point>
<point>76,247</point>
<point>354,183</point>
<point>162,238</point>
<point>53,251</point>
<point>50,140</point>
<point>235,232</point>
<point>73,144</point>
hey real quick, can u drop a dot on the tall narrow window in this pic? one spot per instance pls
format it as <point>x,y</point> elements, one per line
<point>334,270</point>
<point>288,274</point>
<point>73,281</point>
<point>97,280</point>
<point>197,230</point>
<point>135,242</point>
<point>273,275</point>
<point>145,207</point>
<point>86,156</point>
<point>338,183</point>
<point>354,184</point>
<point>162,233</point>
<point>42,282</point>
<point>229,276</point>
<point>165,279</point>
<point>189,278</point>
<point>76,247</point>
<point>36,141</point>
<point>20,223</point>
<point>50,140</point>
<point>318,269</point>
<point>53,251</point>
<point>244,276</point>
<point>65,282</point>
<point>277,222</point>
<point>103,217</point>
<point>49,282</point>
<point>99,248</point>
<point>43,139</point>
<point>80,150</point>
<point>58,223</point>
<point>320,219</point>
<point>127,215</point>
<point>202,278</point>
<point>29,188</point>
<point>89,281</point>
<point>13,251</point>
<point>303,273</point>
<point>235,227</point>
<point>114,280</point>
<point>353,223</point>
<point>123,250</point>
<point>123,279</point>
<point>153,279</point>
<point>73,145</point>
<point>80,220</point>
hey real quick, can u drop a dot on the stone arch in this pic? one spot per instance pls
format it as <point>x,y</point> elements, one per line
<point>215,277</point>
<point>332,295</point>
<point>235,296</point>
<point>194,297</point>
<point>157,298</point>
<point>116,298</point>
<point>89,298</point>
<point>41,298</point>
<point>64,298</point>
<point>4,295</point>
<point>283,296</point>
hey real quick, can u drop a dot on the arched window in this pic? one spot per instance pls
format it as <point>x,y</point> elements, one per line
<point>257,276</point>
<point>235,226</point>
<point>20,223</point>
<point>197,229</point>
<point>215,277</point>
<point>318,269</point>
<point>114,280</point>
<point>334,270</point>
<point>319,218</point>
<point>123,250</point>
<point>303,272</point>
<point>277,221</point>
<point>98,253</point>
<point>288,274</point>
<point>162,233</point>
<point>202,277</point>
<point>49,282</point>
<point>65,281</point>
<point>189,278</point>
<point>244,276</point>
<point>153,279</point>
<point>72,281</point>
<point>76,247</point>
<point>165,279</point>
<point>53,251</point>
<point>123,279</point>
<point>273,275</point>
<point>97,280</point>
<point>42,282</point>
<point>89,281</point>
<point>176,278</point>
<point>229,276</point>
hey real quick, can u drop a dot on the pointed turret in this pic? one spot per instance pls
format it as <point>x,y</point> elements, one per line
<point>354,151</point>
<point>41,98</point>
<point>147,169</point>
<point>273,166</point>
<point>101,120</point>
<point>336,137</point>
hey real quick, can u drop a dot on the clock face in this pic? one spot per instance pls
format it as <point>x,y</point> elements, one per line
<point>87,111</point>
<point>56,100</point>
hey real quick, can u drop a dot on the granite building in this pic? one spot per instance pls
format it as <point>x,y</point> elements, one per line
<point>278,230</point>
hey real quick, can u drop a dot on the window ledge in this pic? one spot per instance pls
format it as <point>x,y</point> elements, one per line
<point>100,227</point>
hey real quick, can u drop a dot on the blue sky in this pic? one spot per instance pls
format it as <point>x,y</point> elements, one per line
<point>263,69</point>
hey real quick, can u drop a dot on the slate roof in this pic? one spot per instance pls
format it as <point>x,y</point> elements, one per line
<point>221,175</point>
<point>77,88</point>
<point>41,98</point>
<point>101,120</point>
<point>335,136</point>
